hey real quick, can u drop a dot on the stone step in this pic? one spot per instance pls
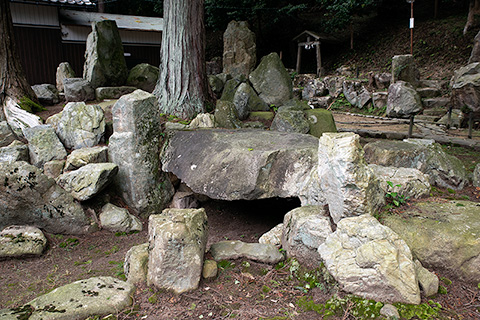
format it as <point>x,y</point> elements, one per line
<point>437,102</point>
<point>428,92</point>
<point>439,84</point>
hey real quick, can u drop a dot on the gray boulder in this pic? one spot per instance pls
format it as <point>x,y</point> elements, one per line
<point>134,147</point>
<point>314,88</point>
<point>371,261</point>
<point>64,71</point>
<point>305,229</point>
<point>349,185</point>
<point>476,176</point>
<point>6,134</point>
<point>104,60</point>
<point>118,219</point>
<point>466,88</point>
<point>274,236</point>
<point>44,145</point>
<point>102,93</point>
<point>425,155</point>
<point>289,120</point>
<point>250,164</point>
<point>246,100</point>
<point>28,197</point>
<point>442,235</point>
<point>272,81</point>
<point>89,180</point>
<point>47,94</point>
<point>184,200</point>
<point>403,100</point>
<point>334,85</point>
<point>17,118</point>
<point>78,89</point>
<point>226,115</point>
<point>216,84</point>
<point>379,99</point>
<point>407,182</point>
<point>177,242</point>
<point>81,125</point>
<point>81,157</point>
<point>404,68</point>
<point>135,266</point>
<point>17,241</point>
<point>239,49</point>
<point>143,76</point>
<point>356,93</point>
<point>382,80</point>
<point>79,300</point>
<point>15,151</point>
<point>230,250</point>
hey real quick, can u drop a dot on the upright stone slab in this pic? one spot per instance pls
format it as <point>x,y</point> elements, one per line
<point>134,147</point>
<point>349,185</point>
<point>104,60</point>
<point>177,242</point>
<point>44,145</point>
<point>404,69</point>
<point>29,197</point>
<point>81,125</point>
<point>239,49</point>
<point>272,81</point>
<point>64,71</point>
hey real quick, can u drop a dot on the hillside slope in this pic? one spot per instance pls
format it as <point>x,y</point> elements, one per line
<point>439,48</point>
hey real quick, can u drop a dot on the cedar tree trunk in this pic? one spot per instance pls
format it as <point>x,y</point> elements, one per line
<point>13,82</point>
<point>182,87</point>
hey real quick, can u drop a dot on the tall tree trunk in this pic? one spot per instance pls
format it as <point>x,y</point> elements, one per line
<point>13,82</point>
<point>182,87</point>
<point>473,9</point>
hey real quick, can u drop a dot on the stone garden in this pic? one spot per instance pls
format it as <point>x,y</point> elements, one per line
<point>57,177</point>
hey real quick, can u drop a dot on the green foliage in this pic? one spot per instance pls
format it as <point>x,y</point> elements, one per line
<point>357,307</point>
<point>340,13</point>
<point>340,103</point>
<point>30,106</point>
<point>428,310</point>
<point>225,264</point>
<point>394,197</point>
<point>69,243</point>
<point>442,290</point>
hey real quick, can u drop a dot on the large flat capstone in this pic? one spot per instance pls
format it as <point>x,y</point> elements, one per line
<point>244,164</point>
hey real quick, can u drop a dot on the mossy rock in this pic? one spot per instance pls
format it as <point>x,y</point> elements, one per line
<point>320,121</point>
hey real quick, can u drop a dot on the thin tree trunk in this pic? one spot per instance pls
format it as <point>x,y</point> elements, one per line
<point>13,82</point>
<point>182,87</point>
<point>473,9</point>
<point>435,11</point>
<point>351,35</point>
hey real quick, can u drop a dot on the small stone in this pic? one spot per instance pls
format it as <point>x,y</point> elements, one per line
<point>118,219</point>
<point>202,120</point>
<point>390,312</point>
<point>274,236</point>
<point>229,250</point>
<point>427,280</point>
<point>136,264</point>
<point>184,200</point>
<point>17,241</point>
<point>81,157</point>
<point>210,269</point>
<point>86,182</point>
<point>15,151</point>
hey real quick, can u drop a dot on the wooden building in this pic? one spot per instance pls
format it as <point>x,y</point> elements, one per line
<point>48,32</point>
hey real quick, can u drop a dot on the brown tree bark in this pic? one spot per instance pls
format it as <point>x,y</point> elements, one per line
<point>473,9</point>
<point>13,82</point>
<point>182,87</point>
